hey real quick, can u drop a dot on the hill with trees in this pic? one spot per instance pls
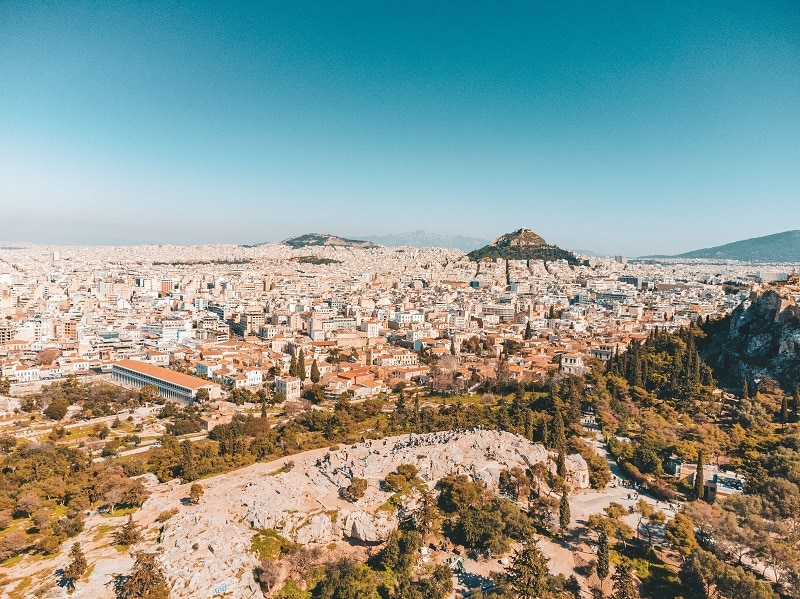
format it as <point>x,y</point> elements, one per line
<point>325,239</point>
<point>522,244</point>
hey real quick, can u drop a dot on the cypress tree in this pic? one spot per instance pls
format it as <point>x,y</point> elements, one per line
<point>745,389</point>
<point>699,477</point>
<point>528,332</point>
<point>315,376</point>
<point>602,557</point>
<point>188,462</point>
<point>563,510</point>
<point>784,410</point>
<point>559,441</point>
<point>561,465</point>
<point>293,366</point>
<point>301,365</point>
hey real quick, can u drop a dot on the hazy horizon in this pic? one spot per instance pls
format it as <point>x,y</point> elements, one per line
<point>615,127</point>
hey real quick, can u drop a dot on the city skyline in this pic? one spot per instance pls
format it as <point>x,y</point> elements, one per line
<point>614,128</point>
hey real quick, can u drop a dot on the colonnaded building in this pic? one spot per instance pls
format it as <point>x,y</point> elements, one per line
<point>171,385</point>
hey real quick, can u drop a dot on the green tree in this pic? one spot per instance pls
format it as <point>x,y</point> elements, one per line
<point>129,534</point>
<point>148,394</point>
<point>625,586</point>
<point>347,580</point>
<point>602,558</point>
<point>76,566</point>
<point>680,533</point>
<point>301,365</point>
<point>527,573</point>
<point>528,332</point>
<point>501,372</point>
<point>315,376</point>
<point>5,386</point>
<point>784,410</point>
<point>188,462</point>
<point>202,396</point>
<point>293,366</point>
<point>57,409</point>
<point>146,580</point>
<point>563,510</point>
<point>699,477</point>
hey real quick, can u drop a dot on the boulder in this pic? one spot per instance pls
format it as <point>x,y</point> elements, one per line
<point>368,528</point>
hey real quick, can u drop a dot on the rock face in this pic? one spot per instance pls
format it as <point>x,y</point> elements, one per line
<point>208,546</point>
<point>760,338</point>
<point>369,528</point>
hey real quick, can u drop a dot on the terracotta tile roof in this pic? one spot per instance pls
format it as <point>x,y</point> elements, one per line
<point>165,374</point>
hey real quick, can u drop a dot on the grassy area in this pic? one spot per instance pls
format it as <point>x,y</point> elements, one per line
<point>101,531</point>
<point>120,512</point>
<point>19,590</point>
<point>269,544</point>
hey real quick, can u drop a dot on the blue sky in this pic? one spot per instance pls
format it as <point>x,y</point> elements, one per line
<point>632,127</point>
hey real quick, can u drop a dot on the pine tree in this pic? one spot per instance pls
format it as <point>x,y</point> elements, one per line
<point>146,580</point>
<point>563,510</point>
<point>699,477</point>
<point>129,534</point>
<point>527,573</point>
<point>315,376</point>
<point>77,565</point>
<point>625,586</point>
<point>602,557</point>
<point>301,365</point>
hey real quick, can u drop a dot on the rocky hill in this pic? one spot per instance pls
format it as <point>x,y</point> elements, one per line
<point>760,338</point>
<point>423,239</point>
<point>522,244</point>
<point>320,239</point>
<point>780,247</point>
<point>205,549</point>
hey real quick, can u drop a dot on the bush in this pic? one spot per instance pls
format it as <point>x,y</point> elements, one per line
<point>356,489</point>
<point>166,515</point>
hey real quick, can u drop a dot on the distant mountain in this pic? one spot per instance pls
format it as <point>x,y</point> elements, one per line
<point>320,239</point>
<point>424,239</point>
<point>523,244</point>
<point>780,247</point>
<point>590,253</point>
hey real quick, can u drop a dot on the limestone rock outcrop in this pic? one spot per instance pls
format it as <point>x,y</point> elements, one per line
<point>760,338</point>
